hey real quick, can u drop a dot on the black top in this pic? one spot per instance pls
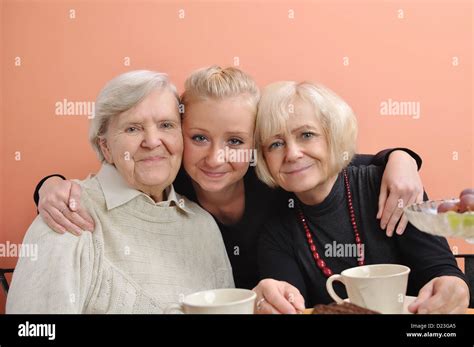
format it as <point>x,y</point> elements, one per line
<point>261,204</point>
<point>241,238</point>
<point>284,252</point>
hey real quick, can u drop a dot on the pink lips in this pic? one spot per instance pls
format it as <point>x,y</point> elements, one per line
<point>153,159</point>
<point>213,174</point>
<point>297,171</point>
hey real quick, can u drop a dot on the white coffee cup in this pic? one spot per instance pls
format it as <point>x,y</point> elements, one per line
<point>217,301</point>
<point>380,287</point>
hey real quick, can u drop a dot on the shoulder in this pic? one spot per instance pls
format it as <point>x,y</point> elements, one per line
<point>91,190</point>
<point>53,267</point>
<point>265,197</point>
<point>39,233</point>
<point>365,171</point>
<point>183,184</point>
<point>53,252</point>
<point>280,229</point>
<point>366,178</point>
<point>253,182</point>
<point>197,215</point>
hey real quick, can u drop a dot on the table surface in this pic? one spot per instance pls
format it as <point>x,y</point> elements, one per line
<point>310,310</point>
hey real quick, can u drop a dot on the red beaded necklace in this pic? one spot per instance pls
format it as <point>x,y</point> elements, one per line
<point>320,263</point>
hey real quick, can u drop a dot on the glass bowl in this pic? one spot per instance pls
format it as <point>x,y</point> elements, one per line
<point>425,217</point>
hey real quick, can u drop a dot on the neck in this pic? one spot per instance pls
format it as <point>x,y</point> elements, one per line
<point>156,194</point>
<point>317,194</point>
<point>222,197</point>
<point>157,197</point>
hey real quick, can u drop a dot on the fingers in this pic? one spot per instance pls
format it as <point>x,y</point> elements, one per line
<point>77,219</point>
<point>393,211</point>
<point>74,196</point>
<point>59,206</point>
<point>76,214</point>
<point>404,220</point>
<point>419,197</point>
<point>445,294</point>
<point>389,208</point>
<point>87,221</point>
<point>279,302</point>
<point>295,298</point>
<point>451,295</point>
<point>435,304</point>
<point>64,222</point>
<point>266,308</point>
<point>382,200</point>
<point>402,225</point>
<point>51,222</point>
<point>401,185</point>
<point>278,297</point>
<point>424,294</point>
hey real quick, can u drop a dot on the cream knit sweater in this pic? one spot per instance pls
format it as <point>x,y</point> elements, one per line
<point>141,257</point>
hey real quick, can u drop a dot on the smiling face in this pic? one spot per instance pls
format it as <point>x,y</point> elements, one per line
<point>209,126</point>
<point>145,143</point>
<point>299,157</point>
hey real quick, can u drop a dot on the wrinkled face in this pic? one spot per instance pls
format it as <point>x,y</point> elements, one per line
<point>218,139</point>
<point>298,158</point>
<point>145,143</point>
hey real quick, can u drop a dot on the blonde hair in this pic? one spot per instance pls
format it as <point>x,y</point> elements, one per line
<point>216,82</point>
<point>121,94</point>
<point>337,120</point>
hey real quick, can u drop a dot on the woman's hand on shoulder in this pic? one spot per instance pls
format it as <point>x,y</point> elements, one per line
<point>59,206</point>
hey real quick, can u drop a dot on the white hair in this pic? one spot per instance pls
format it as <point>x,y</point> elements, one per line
<point>121,94</point>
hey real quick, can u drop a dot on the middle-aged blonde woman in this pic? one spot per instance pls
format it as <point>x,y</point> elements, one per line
<point>150,246</point>
<point>302,132</point>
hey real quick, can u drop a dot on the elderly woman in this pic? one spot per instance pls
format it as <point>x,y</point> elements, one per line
<point>306,136</point>
<point>151,246</point>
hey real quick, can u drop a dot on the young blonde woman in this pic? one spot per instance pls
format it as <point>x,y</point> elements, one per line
<point>218,172</point>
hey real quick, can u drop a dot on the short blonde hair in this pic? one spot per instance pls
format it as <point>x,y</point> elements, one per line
<point>337,120</point>
<point>121,94</point>
<point>216,82</point>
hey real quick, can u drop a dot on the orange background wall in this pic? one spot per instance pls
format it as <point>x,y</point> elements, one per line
<point>399,50</point>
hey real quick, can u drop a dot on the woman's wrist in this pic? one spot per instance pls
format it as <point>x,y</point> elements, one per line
<point>403,156</point>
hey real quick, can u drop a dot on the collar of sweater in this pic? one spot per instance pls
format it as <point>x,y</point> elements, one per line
<point>117,192</point>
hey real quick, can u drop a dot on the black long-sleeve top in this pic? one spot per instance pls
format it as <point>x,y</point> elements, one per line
<point>284,253</point>
<point>261,203</point>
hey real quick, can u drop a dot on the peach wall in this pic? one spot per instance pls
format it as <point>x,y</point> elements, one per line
<point>405,59</point>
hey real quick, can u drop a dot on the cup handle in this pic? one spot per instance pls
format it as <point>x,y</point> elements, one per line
<point>330,289</point>
<point>174,307</point>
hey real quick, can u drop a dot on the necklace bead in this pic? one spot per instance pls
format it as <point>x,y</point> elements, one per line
<point>320,263</point>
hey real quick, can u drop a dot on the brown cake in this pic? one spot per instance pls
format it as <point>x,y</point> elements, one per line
<point>344,308</point>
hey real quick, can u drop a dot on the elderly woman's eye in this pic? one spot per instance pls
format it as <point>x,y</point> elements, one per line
<point>235,142</point>
<point>167,125</point>
<point>131,130</point>
<point>307,135</point>
<point>199,138</point>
